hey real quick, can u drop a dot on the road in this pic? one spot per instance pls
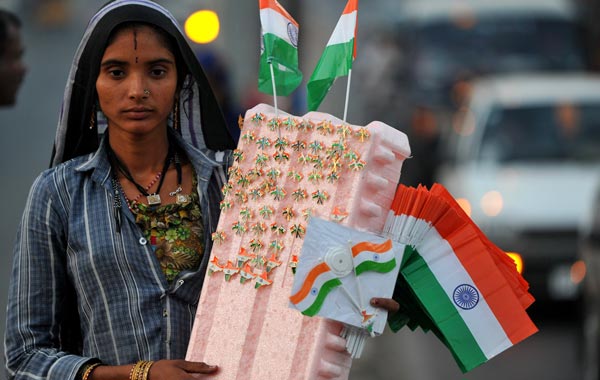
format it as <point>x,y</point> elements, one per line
<point>550,354</point>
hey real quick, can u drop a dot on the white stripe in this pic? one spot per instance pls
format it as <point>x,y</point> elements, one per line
<point>307,301</point>
<point>375,257</point>
<point>344,30</point>
<point>52,256</point>
<point>275,23</point>
<point>101,289</point>
<point>443,263</point>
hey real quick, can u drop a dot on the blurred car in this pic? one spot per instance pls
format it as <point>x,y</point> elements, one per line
<point>589,253</point>
<point>420,68</point>
<point>524,158</point>
<point>448,42</point>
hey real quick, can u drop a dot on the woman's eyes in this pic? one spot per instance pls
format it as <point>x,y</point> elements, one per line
<point>157,72</point>
<point>116,73</point>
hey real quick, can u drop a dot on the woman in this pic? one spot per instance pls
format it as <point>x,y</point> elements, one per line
<point>115,237</point>
<point>114,241</point>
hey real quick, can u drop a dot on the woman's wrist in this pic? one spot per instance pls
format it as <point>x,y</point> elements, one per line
<point>107,372</point>
<point>140,370</point>
<point>88,369</point>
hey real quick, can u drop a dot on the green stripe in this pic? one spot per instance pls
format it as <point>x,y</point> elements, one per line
<point>442,311</point>
<point>374,266</point>
<point>280,53</point>
<point>336,61</point>
<point>327,287</point>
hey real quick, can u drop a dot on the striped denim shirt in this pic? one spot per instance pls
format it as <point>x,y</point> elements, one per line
<point>82,287</point>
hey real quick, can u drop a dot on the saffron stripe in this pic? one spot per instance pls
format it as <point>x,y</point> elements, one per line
<point>351,6</point>
<point>309,282</point>
<point>371,247</point>
<point>273,5</point>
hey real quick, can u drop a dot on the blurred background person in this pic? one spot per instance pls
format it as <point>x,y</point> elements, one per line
<point>218,76</point>
<point>12,67</point>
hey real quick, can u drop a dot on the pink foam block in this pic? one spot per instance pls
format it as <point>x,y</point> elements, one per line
<point>287,168</point>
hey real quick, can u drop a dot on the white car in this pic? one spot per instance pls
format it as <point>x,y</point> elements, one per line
<point>524,158</point>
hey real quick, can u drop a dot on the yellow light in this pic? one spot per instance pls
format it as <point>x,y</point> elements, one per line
<point>492,203</point>
<point>578,271</point>
<point>517,259</point>
<point>202,26</point>
<point>465,205</point>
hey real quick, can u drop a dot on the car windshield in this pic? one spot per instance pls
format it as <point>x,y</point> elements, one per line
<point>543,133</point>
<point>455,48</point>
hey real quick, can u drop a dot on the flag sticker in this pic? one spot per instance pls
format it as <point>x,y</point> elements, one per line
<point>340,270</point>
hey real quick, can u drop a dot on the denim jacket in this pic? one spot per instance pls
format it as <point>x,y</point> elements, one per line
<point>86,283</point>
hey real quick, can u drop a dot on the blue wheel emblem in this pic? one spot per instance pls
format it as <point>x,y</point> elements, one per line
<point>314,291</point>
<point>466,296</point>
<point>292,31</point>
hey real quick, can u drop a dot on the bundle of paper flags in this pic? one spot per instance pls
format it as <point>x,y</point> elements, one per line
<point>453,280</point>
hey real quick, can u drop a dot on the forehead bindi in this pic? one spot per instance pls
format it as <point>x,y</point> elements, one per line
<point>140,43</point>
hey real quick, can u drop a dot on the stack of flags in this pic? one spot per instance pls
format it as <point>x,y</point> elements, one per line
<point>453,281</point>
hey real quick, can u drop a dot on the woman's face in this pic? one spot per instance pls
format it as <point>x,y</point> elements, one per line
<point>137,81</point>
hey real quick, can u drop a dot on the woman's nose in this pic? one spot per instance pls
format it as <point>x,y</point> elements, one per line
<point>137,88</point>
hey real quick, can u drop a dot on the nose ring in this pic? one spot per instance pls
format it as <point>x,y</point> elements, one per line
<point>146,92</point>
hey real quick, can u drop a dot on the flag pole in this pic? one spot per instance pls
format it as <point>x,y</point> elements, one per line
<point>274,90</point>
<point>347,94</point>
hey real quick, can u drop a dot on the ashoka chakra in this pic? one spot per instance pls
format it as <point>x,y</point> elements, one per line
<point>466,296</point>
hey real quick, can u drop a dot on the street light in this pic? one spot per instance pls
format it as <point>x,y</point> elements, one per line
<point>202,26</point>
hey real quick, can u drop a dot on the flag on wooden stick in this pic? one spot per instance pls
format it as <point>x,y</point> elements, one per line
<point>278,69</point>
<point>337,58</point>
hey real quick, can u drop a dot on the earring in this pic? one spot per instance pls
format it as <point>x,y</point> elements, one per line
<point>176,115</point>
<point>93,118</point>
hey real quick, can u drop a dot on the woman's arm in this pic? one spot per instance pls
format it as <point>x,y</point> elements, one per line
<point>39,292</point>
<point>162,369</point>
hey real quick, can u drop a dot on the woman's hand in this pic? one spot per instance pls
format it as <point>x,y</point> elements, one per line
<point>385,303</point>
<point>160,370</point>
<point>179,370</point>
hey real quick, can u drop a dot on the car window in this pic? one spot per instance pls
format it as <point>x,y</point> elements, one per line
<point>542,133</point>
<point>449,48</point>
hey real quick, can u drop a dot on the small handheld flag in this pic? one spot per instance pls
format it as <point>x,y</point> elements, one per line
<point>337,58</point>
<point>278,69</point>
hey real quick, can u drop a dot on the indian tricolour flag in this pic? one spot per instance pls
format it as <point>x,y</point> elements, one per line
<point>319,282</point>
<point>337,58</point>
<point>458,284</point>
<point>279,50</point>
<point>376,257</point>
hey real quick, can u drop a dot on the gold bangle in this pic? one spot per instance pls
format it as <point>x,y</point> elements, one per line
<point>140,370</point>
<point>88,370</point>
<point>133,371</point>
<point>146,370</point>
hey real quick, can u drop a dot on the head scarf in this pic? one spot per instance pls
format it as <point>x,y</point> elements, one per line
<point>202,123</point>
